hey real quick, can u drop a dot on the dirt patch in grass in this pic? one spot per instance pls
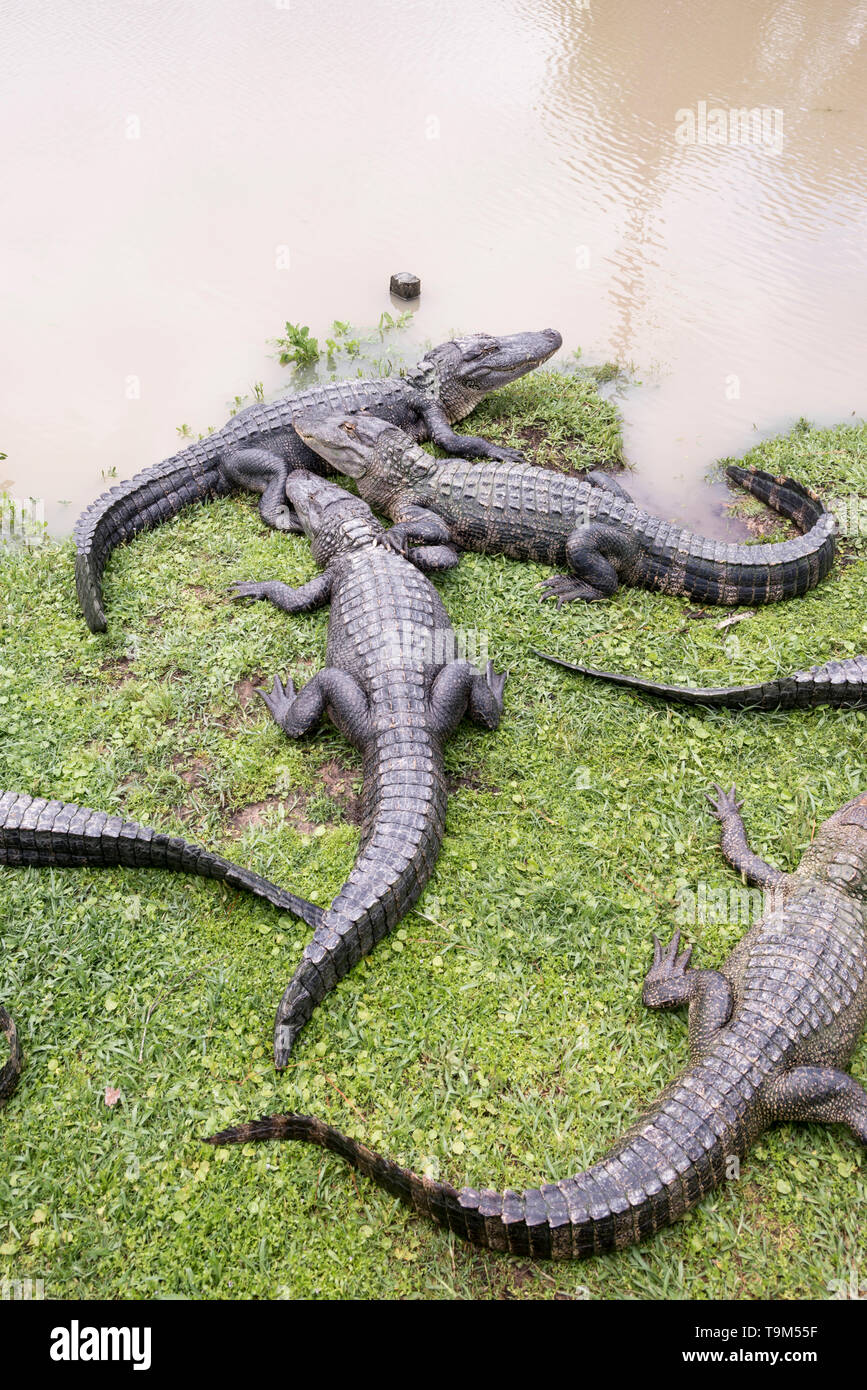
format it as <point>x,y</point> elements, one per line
<point>245,690</point>
<point>193,774</point>
<point>339,783</point>
<point>119,669</point>
<point>260,812</point>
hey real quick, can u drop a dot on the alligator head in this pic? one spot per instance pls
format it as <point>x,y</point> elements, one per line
<point>332,518</point>
<point>376,453</point>
<point>466,369</point>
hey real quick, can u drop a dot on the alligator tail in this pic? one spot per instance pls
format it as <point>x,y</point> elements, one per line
<point>839,683</point>
<point>12,1070</point>
<point>662,1167</point>
<point>152,496</point>
<point>58,834</point>
<point>715,572</point>
<point>400,842</point>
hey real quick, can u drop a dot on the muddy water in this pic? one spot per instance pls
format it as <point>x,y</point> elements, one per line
<point>181,176</point>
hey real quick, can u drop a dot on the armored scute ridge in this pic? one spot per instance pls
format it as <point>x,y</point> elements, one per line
<point>56,834</point>
<point>770,1035</point>
<point>589,525</point>
<point>842,684</point>
<point>394,686</point>
<point>259,446</point>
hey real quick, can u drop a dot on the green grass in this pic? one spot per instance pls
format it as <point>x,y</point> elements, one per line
<point>499,1038</point>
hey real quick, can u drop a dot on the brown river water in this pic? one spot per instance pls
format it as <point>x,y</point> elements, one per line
<point>182,176</point>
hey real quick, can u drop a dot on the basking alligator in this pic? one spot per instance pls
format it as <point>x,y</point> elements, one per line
<point>393,687</point>
<point>770,1034</point>
<point>591,526</point>
<point>259,447</point>
<point>57,834</point>
<point>839,683</point>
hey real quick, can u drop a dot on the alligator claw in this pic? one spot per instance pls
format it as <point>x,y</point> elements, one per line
<point>389,541</point>
<point>501,453</point>
<point>246,589</point>
<point>279,697</point>
<point>724,803</point>
<point>565,589</point>
<point>665,983</point>
<point>496,681</point>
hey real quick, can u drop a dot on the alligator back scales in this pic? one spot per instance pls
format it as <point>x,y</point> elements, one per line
<point>770,1035</point>
<point>590,526</point>
<point>842,684</point>
<point>393,685</point>
<point>56,834</point>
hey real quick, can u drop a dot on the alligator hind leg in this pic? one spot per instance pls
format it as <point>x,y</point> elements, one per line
<point>670,983</point>
<point>461,688</point>
<point>12,1070</point>
<point>258,470</point>
<point>330,690</point>
<point>734,844</point>
<point>821,1094</point>
<point>598,556</point>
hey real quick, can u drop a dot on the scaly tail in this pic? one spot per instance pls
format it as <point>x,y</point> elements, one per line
<point>152,496</point>
<point>839,683</point>
<point>57,834</point>
<point>663,1166</point>
<point>12,1070</point>
<point>678,562</point>
<point>406,789</point>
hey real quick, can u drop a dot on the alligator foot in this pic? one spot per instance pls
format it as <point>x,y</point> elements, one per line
<point>242,588</point>
<point>724,804</point>
<point>279,698</point>
<point>734,843</point>
<point>496,681</point>
<point>501,453</point>
<point>667,982</point>
<point>565,589</point>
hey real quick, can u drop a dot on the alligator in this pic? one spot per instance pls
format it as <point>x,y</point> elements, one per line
<point>842,684</point>
<point>41,833</point>
<point>770,1035</point>
<point>590,525</point>
<point>395,688</point>
<point>258,447</point>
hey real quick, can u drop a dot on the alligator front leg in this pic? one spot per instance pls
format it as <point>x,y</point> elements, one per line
<point>670,982</point>
<point>423,538</point>
<point>417,526</point>
<point>597,555</point>
<point>734,844</point>
<point>304,599</point>
<point>468,446</point>
<point>259,470</point>
<point>330,690</point>
<point>433,559</point>
<point>461,688</point>
<point>823,1095</point>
